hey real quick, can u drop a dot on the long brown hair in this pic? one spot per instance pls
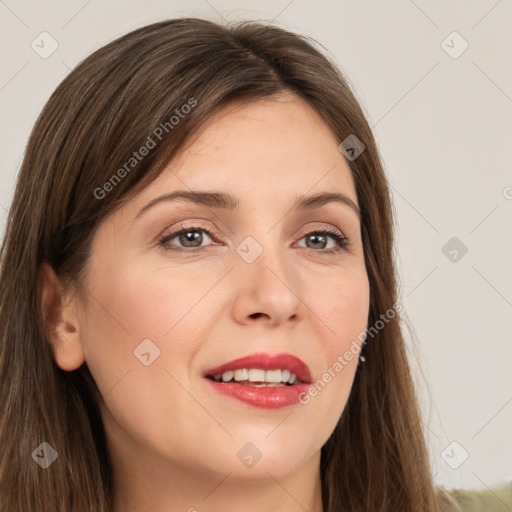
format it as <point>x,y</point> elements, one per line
<point>376,458</point>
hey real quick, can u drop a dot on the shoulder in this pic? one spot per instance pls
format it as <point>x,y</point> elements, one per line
<point>495,499</point>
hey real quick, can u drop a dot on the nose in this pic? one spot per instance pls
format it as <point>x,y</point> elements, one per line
<point>266,290</point>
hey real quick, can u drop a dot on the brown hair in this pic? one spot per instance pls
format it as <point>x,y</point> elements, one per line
<point>376,458</point>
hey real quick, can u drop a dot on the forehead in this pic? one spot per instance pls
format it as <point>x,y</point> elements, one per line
<point>267,149</point>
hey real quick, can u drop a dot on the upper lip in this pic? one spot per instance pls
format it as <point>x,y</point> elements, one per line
<point>265,362</point>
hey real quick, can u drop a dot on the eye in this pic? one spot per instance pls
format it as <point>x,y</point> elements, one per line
<point>191,238</point>
<point>320,236</point>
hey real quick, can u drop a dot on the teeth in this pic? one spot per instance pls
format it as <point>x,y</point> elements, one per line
<point>257,375</point>
<point>227,376</point>
<point>241,374</point>
<point>271,375</point>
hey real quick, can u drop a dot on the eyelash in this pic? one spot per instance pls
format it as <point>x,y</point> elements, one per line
<point>339,238</point>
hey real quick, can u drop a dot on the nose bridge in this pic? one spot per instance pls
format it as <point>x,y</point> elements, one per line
<point>263,252</point>
<point>265,276</point>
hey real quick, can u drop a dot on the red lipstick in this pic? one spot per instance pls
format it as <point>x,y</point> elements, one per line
<point>270,397</point>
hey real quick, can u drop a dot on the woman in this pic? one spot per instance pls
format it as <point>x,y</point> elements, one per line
<point>198,304</point>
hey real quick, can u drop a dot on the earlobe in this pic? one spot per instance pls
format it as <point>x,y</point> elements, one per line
<point>60,322</point>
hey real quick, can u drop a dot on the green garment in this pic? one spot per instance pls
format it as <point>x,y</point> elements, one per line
<point>495,499</point>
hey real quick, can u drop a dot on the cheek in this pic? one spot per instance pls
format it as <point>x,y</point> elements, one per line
<point>342,310</point>
<point>135,313</point>
<point>133,304</point>
<point>342,307</point>
<point>121,314</point>
<point>140,301</point>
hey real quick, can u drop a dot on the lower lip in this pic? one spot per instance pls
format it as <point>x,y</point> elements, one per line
<point>264,397</point>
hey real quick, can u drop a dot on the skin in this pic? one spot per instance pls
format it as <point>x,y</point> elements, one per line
<point>174,440</point>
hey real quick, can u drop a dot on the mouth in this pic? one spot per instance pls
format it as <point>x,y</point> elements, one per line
<point>261,380</point>
<point>252,377</point>
<point>262,370</point>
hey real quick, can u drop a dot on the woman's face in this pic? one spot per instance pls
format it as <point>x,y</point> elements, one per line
<point>260,278</point>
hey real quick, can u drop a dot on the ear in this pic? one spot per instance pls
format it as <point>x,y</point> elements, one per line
<point>60,321</point>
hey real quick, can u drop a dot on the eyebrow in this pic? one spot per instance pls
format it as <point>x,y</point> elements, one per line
<point>225,201</point>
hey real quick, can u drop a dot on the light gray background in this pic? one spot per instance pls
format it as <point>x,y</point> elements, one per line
<point>444,127</point>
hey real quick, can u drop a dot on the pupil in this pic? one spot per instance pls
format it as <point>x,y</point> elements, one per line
<point>190,236</point>
<point>315,238</point>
